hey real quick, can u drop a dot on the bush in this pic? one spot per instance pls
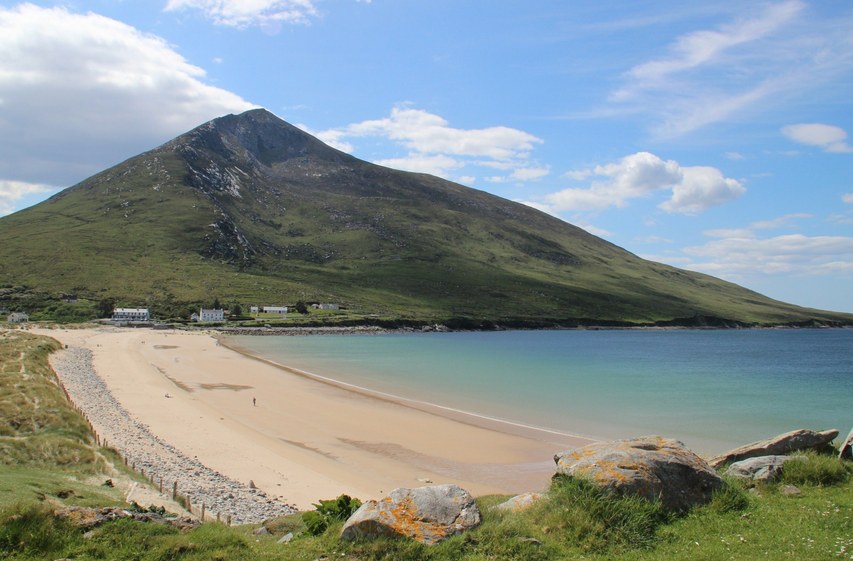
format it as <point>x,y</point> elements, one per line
<point>810,468</point>
<point>34,530</point>
<point>595,519</point>
<point>730,498</point>
<point>329,511</point>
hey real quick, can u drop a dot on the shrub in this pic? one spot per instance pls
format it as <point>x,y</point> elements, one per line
<point>33,530</point>
<point>597,520</point>
<point>730,498</point>
<point>329,511</point>
<point>816,469</point>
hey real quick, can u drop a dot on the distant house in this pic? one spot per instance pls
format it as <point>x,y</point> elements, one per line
<point>18,317</point>
<point>215,314</point>
<point>326,306</point>
<point>131,314</point>
<point>281,310</point>
<point>254,310</point>
<point>70,298</point>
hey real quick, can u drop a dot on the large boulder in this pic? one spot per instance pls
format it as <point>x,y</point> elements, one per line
<point>762,468</point>
<point>846,452</point>
<point>651,467</point>
<point>793,441</point>
<point>425,514</point>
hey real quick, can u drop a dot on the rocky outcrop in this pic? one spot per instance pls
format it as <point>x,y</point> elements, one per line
<point>793,441</point>
<point>762,468</point>
<point>651,467</point>
<point>425,514</point>
<point>846,452</point>
<point>520,502</point>
<point>89,518</point>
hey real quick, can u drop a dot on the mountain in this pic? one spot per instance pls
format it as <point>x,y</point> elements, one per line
<point>249,209</point>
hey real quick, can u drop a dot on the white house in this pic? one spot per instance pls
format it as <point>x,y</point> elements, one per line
<point>327,306</point>
<point>253,310</point>
<point>18,317</point>
<point>282,310</point>
<point>131,314</point>
<point>217,314</point>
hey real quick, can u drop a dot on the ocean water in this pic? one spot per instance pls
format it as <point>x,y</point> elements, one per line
<point>712,390</point>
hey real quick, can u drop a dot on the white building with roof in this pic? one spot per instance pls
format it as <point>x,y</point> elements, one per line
<point>131,314</point>
<point>18,317</point>
<point>213,314</point>
<point>281,310</point>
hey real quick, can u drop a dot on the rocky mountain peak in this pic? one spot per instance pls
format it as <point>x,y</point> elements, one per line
<point>257,137</point>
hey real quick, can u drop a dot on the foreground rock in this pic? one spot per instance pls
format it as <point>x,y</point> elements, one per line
<point>794,441</point>
<point>521,502</point>
<point>651,467</point>
<point>425,514</point>
<point>89,518</point>
<point>762,468</point>
<point>846,452</point>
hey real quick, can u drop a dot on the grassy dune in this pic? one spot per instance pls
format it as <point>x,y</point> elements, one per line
<point>49,459</point>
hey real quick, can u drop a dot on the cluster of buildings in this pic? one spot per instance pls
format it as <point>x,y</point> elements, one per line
<point>205,314</point>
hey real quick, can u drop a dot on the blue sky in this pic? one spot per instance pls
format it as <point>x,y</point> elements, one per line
<point>713,137</point>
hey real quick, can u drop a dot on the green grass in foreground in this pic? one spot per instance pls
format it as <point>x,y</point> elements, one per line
<point>576,522</point>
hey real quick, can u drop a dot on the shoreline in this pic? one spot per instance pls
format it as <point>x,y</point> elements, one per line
<point>504,426</point>
<point>306,439</point>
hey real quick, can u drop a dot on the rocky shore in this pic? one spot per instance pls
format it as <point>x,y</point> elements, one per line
<point>158,459</point>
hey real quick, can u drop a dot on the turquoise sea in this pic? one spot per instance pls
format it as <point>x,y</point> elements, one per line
<point>711,389</point>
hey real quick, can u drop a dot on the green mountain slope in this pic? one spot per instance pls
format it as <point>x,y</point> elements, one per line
<point>250,209</point>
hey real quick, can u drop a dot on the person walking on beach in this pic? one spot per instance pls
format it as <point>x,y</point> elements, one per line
<point>254,402</point>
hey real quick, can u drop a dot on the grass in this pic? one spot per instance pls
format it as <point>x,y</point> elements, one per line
<point>576,521</point>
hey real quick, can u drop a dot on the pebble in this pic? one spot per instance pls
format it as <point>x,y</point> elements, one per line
<point>159,459</point>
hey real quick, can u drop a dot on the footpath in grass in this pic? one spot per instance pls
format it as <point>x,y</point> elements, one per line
<point>50,459</point>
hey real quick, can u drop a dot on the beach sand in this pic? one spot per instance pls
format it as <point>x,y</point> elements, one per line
<point>301,439</point>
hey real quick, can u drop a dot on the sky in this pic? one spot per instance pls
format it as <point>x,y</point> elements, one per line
<point>710,136</point>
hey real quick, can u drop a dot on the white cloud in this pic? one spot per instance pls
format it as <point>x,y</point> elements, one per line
<point>735,156</point>
<point>245,13</point>
<point>530,174</point>
<point>82,92</point>
<point>11,192</point>
<point>521,175</point>
<point>705,47</point>
<point>702,187</point>
<point>548,209</point>
<point>433,146</point>
<point>750,230</point>
<point>736,257</point>
<point>436,164</point>
<point>847,198</point>
<point>765,55</point>
<point>828,137</point>
<point>428,133</point>
<point>594,230</point>
<point>693,189</point>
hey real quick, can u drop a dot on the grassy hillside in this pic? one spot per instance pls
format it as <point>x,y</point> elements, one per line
<point>250,210</point>
<point>49,459</point>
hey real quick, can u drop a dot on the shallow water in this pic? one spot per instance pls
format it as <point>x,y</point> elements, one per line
<point>712,390</point>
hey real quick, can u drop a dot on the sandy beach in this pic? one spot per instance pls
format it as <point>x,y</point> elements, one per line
<point>298,438</point>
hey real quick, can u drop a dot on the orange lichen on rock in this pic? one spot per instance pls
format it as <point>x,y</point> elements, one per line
<point>425,514</point>
<point>651,467</point>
